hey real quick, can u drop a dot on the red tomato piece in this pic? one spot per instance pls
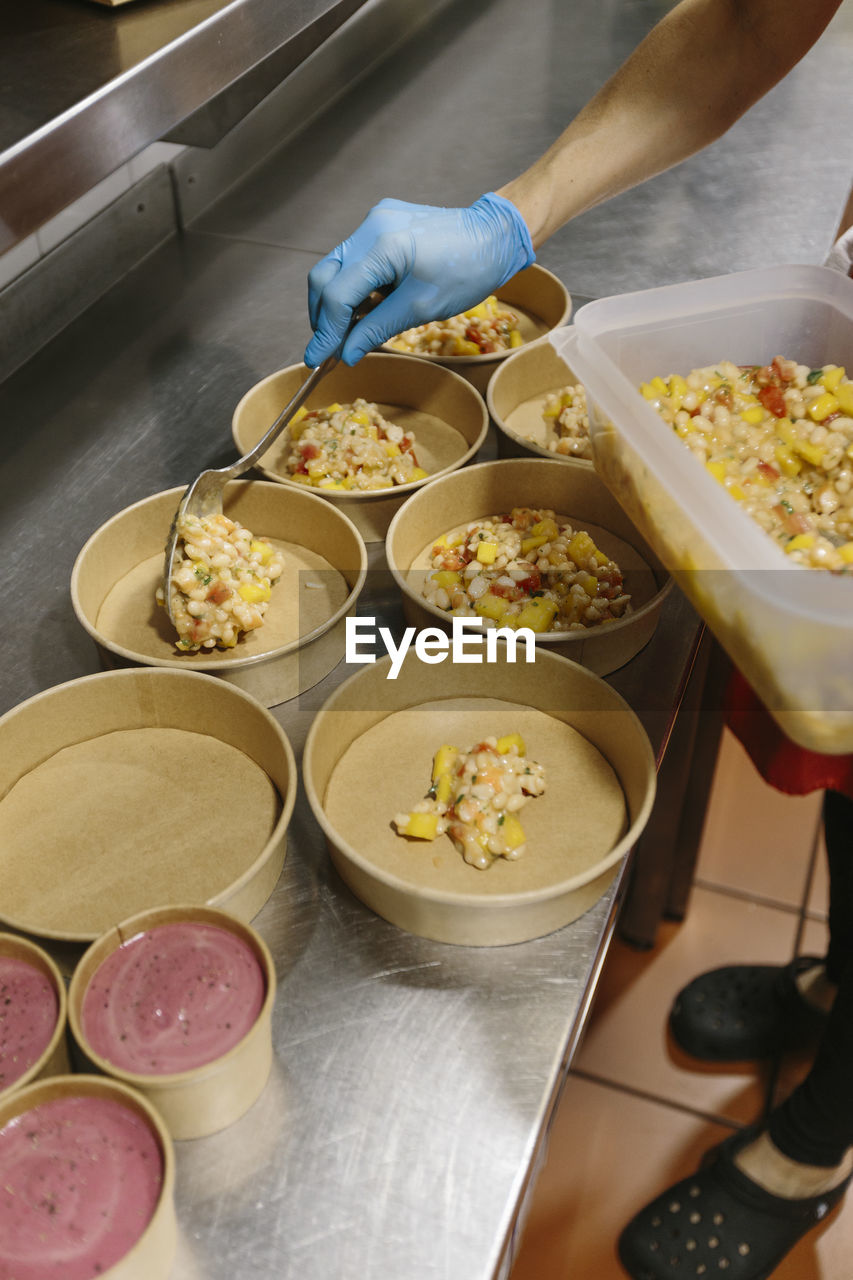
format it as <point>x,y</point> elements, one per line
<point>773,400</point>
<point>769,472</point>
<point>218,593</point>
<point>309,450</point>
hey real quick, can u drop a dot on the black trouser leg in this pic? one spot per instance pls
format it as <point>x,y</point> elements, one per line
<point>815,1125</point>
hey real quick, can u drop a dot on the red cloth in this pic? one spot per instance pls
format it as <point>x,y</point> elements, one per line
<point>783,764</point>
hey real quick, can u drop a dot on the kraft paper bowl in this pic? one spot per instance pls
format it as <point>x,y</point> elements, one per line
<point>571,489</point>
<point>134,789</point>
<point>302,636</point>
<point>542,303</point>
<point>53,1060</point>
<point>151,1257</point>
<point>210,1097</point>
<point>516,397</point>
<point>448,417</point>
<point>375,738</point>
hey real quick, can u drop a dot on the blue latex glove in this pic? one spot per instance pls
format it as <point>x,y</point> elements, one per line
<point>440,262</point>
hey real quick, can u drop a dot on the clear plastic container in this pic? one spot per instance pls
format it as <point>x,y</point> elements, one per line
<point>788,628</point>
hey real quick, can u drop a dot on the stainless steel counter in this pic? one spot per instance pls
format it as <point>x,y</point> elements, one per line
<point>412,1081</point>
<point>84,88</point>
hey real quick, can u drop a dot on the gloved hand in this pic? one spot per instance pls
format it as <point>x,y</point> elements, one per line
<point>441,261</point>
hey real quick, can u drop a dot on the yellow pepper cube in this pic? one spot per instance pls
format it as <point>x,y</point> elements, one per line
<point>546,528</point>
<point>443,760</point>
<point>299,479</point>
<point>589,582</point>
<point>538,614</point>
<point>648,392</point>
<point>717,470</point>
<point>423,826</point>
<point>359,417</point>
<point>418,473</point>
<point>601,558</point>
<point>659,386</point>
<point>553,412</point>
<point>489,606</point>
<point>262,550</point>
<point>788,464</point>
<point>392,450</point>
<point>812,453</point>
<point>515,338</point>
<point>444,789</point>
<point>822,407</point>
<point>844,396</point>
<point>511,740</point>
<point>737,492</point>
<point>464,347</point>
<point>487,552</point>
<point>447,578</point>
<point>832,377</point>
<point>480,312</point>
<point>785,431</point>
<point>332,408</point>
<point>801,542</point>
<point>753,415</point>
<point>530,544</point>
<point>581,547</point>
<point>846,552</point>
<point>512,831</point>
<point>254,592</point>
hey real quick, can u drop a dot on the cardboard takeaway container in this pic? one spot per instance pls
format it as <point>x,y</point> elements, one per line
<point>376,737</point>
<point>542,304</point>
<point>303,633</point>
<point>150,1258</point>
<point>572,490</point>
<point>448,417</point>
<point>134,789</point>
<point>210,1097</point>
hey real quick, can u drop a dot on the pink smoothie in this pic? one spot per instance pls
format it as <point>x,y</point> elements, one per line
<point>173,998</point>
<point>28,1012</point>
<point>80,1178</point>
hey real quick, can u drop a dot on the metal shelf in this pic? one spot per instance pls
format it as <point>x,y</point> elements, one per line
<point>84,88</point>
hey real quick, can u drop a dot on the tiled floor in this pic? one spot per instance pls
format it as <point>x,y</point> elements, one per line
<point>635,1114</point>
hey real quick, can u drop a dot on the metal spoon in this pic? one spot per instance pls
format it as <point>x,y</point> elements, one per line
<point>204,496</point>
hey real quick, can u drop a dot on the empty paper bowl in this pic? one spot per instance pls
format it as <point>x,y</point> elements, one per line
<point>516,396</point>
<point>32,1014</point>
<point>177,1003</point>
<point>134,789</point>
<point>302,636</point>
<point>448,417</point>
<point>104,1167</point>
<point>541,302</point>
<point>570,489</point>
<point>376,737</point>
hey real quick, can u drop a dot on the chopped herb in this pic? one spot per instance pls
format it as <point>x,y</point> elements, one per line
<point>527,770</point>
<point>481,535</point>
<point>501,819</point>
<point>813,376</point>
<point>458,798</point>
<point>474,779</point>
<point>783,502</point>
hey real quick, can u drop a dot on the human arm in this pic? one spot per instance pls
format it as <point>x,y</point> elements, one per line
<point>697,72</point>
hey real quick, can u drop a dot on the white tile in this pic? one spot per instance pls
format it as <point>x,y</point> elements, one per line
<point>16,260</point>
<point>158,153</point>
<point>82,210</point>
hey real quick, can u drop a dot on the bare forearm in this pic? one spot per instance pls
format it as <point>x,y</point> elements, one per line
<point>695,74</point>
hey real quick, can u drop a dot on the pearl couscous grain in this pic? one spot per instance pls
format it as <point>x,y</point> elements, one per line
<point>779,439</point>
<point>484,330</point>
<point>350,446</point>
<point>525,569</point>
<point>475,798</point>
<point>221,585</point>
